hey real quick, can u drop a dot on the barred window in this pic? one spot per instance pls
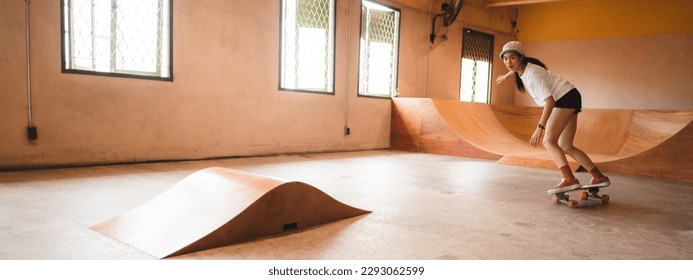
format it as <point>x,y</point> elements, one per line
<point>477,59</point>
<point>378,50</point>
<point>307,46</point>
<point>125,38</point>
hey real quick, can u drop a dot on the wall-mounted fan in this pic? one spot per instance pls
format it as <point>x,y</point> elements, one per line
<point>449,13</point>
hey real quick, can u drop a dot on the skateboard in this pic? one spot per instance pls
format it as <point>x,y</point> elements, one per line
<point>586,192</point>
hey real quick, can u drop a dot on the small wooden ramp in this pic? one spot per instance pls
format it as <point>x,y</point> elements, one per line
<point>216,207</point>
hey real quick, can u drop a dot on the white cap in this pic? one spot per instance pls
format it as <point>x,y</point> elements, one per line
<point>514,47</point>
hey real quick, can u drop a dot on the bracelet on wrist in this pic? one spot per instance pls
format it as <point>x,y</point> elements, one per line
<point>541,126</point>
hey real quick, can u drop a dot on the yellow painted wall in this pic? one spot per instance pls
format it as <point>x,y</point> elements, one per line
<point>592,19</point>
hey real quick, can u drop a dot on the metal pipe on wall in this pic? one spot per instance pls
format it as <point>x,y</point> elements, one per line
<point>347,129</point>
<point>31,130</point>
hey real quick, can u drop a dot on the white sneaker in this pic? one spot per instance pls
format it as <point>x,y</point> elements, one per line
<point>565,186</point>
<point>601,183</point>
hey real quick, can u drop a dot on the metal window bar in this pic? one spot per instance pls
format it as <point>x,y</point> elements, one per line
<point>134,43</point>
<point>478,47</point>
<point>307,47</point>
<point>114,38</point>
<point>379,47</point>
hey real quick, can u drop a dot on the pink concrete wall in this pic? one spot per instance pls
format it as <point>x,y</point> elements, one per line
<point>438,71</point>
<point>224,100</point>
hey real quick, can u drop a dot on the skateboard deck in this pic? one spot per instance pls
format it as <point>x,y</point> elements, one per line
<point>586,192</point>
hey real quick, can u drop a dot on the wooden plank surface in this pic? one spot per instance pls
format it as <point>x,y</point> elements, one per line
<point>654,143</point>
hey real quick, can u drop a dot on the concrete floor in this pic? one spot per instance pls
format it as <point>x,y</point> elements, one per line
<point>425,207</point>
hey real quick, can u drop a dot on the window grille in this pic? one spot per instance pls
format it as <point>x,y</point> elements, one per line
<point>378,50</point>
<point>477,59</point>
<point>307,45</point>
<point>117,37</point>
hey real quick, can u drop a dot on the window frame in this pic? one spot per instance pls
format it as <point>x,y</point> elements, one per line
<point>65,69</point>
<point>331,40</point>
<point>491,38</point>
<point>396,59</point>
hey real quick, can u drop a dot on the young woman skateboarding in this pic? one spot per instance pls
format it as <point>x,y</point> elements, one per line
<point>562,102</point>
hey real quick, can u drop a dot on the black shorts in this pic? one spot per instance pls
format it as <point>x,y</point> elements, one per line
<point>571,100</point>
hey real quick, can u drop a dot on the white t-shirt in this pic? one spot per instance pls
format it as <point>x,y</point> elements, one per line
<point>541,83</point>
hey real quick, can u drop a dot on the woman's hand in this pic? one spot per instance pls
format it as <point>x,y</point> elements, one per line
<point>536,137</point>
<point>500,79</point>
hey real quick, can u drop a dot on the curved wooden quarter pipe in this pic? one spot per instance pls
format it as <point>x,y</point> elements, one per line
<point>216,207</point>
<point>653,143</point>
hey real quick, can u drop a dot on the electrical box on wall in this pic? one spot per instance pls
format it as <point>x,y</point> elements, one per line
<point>32,133</point>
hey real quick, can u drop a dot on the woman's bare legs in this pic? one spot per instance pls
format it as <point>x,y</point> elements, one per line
<point>565,141</point>
<point>558,140</point>
<point>558,123</point>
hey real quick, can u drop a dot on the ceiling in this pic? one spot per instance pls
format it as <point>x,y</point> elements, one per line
<point>425,5</point>
<point>504,3</point>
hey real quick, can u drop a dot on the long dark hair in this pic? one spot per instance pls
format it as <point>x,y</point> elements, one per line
<point>525,59</point>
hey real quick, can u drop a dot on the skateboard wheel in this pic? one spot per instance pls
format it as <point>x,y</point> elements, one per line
<point>605,198</point>
<point>572,204</point>
<point>556,200</point>
<point>584,195</point>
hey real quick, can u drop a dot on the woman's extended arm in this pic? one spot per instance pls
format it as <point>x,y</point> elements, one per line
<point>502,78</point>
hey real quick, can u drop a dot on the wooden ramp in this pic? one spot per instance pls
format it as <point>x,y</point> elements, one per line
<point>655,143</point>
<point>216,207</point>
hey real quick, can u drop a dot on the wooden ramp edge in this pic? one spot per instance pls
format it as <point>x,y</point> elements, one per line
<point>443,127</point>
<point>653,143</point>
<point>415,128</point>
<point>216,207</point>
<point>671,159</point>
